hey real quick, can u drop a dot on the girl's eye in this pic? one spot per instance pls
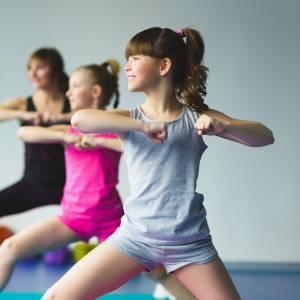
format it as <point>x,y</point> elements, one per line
<point>130,58</point>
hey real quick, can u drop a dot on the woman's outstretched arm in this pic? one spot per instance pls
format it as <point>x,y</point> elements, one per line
<point>50,135</point>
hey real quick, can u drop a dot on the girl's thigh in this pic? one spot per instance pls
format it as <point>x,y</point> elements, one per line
<point>209,281</point>
<point>102,270</point>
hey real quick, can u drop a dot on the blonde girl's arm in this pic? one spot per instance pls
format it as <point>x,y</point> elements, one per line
<point>50,135</point>
<point>250,133</point>
<point>116,121</point>
<point>92,142</point>
<point>16,109</point>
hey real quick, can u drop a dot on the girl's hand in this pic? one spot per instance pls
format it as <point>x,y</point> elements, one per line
<point>207,125</point>
<point>71,139</point>
<point>157,131</point>
<point>89,142</point>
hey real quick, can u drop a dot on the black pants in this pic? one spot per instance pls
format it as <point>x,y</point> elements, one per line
<point>27,194</point>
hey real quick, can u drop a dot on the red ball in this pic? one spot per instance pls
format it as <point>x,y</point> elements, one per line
<point>5,232</point>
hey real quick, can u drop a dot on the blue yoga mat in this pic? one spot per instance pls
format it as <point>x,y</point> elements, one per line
<point>37,296</point>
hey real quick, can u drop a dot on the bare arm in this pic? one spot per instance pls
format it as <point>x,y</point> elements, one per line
<point>92,142</point>
<point>249,133</point>
<point>116,121</point>
<point>50,135</point>
<point>16,109</point>
<point>100,121</point>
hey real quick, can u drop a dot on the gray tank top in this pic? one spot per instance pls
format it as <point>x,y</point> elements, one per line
<point>164,208</point>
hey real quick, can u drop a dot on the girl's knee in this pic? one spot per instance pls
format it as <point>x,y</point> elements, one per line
<point>7,248</point>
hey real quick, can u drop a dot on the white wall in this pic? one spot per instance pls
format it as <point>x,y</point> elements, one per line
<point>252,195</point>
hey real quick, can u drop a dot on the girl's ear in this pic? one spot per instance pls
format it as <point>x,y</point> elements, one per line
<point>97,91</point>
<point>165,66</point>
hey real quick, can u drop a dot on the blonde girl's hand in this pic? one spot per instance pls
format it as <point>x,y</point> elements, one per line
<point>157,131</point>
<point>71,139</point>
<point>207,125</point>
<point>88,142</point>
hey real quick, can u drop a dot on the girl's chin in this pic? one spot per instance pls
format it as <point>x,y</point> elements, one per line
<point>37,85</point>
<point>134,89</point>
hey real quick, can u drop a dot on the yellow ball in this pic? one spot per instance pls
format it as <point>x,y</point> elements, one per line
<point>81,249</point>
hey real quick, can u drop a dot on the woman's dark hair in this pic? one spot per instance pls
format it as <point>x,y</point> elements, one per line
<point>53,58</point>
<point>106,75</point>
<point>189,73</point>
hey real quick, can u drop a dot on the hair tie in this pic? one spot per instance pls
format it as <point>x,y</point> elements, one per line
<point>181,32</point>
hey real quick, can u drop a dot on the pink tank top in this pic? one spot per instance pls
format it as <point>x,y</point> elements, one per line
<point>91,179</point>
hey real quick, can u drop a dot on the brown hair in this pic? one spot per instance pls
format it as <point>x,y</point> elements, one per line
<point>53,58</point>
<point>189,73</point>
<point>106,75</point>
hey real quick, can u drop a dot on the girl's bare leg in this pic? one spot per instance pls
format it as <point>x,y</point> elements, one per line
<point>171,284</point>
<point>103,269</point>
<point>208,281</point>
<point>45,235</point>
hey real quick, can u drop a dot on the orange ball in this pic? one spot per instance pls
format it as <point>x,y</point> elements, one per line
<point>5,232</point>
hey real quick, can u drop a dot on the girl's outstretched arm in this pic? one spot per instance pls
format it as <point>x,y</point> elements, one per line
<point>92,142</point>
<point>249,133</point>
<point>50,135</point>
<point>116,121</point>
<point>100,121</point>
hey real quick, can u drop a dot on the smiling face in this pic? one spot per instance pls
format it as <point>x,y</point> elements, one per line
<point>39,73</point>
<point>142,72</point>
<point>82,93</point>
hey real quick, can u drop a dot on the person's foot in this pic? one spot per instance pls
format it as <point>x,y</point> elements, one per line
<point>161,293</point>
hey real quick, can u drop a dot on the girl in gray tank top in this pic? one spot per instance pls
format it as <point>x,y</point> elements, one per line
<point>164,208</point>
<point>165,221</point>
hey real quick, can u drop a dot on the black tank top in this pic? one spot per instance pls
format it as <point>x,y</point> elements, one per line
<point>44,162</point>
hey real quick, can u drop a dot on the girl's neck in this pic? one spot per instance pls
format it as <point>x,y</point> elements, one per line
<point>162,99</point>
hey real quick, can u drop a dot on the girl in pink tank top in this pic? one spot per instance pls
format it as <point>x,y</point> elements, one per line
<point>91,204</point>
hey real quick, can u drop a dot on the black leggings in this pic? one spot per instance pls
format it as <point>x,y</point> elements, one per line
<point>26,194</point>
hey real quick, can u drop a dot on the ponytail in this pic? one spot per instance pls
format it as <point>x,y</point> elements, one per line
<point>192,88</point>
<point>106,75</point>
<point>114,72</point>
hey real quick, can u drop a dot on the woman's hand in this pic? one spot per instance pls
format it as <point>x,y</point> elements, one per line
<point>207,125</point>
<point>31,116</point>
<point>50,117</point>
<point>157,131</point>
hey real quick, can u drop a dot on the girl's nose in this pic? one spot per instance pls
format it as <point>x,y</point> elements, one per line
<point>127,67</point>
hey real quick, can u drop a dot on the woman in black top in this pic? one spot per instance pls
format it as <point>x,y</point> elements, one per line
<point>44,173</point>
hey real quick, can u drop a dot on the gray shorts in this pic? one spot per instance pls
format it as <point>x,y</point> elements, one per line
<point>171,257</point>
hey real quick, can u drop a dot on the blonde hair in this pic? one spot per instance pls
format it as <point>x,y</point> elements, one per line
<point>106,75</point>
